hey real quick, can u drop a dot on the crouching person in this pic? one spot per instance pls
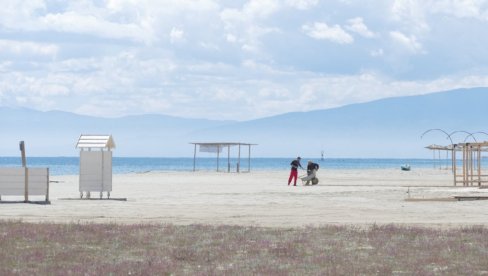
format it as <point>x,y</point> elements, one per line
<point>312,169</point>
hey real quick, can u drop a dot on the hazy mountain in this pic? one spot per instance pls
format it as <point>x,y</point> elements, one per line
<point>55,133</point>
<point>385,128</point>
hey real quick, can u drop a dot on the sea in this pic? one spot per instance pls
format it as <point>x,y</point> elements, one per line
<point>123,165</point>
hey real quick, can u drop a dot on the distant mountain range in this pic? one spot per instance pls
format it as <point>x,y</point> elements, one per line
<point>389,127</point>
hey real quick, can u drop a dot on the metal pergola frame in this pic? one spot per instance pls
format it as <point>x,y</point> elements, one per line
<point>220,146</point>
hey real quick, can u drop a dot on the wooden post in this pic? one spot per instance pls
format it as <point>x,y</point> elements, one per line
<point>194,157</point>
<point>454,165</point>
<point>471,164</point>
<point>433,157</point>
<point>26,171</point>
<point>464,165</point>
<point>22,151</point>
<point>447,159</point>
<point>479,165</point>
<point>439,156</point>
<point>453,159</point>
<point>26,184</point>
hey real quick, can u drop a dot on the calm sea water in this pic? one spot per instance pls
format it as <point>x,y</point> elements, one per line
<point>70,165</point>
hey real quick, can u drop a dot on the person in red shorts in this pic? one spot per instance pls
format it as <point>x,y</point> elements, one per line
<point>294,170</point>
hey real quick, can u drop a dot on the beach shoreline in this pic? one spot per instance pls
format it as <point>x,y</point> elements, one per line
<point>259,198</point>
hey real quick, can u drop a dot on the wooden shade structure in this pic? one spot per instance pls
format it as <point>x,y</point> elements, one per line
<point>470,171</point>
<point>217,147</point>
<point>438,149</point>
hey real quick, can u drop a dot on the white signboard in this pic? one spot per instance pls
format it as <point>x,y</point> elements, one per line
<point>210,148</point>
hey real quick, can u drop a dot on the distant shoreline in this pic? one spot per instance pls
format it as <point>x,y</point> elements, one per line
<point>123,165</point>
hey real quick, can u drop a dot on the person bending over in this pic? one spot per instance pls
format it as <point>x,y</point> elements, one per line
<point>311,171</point>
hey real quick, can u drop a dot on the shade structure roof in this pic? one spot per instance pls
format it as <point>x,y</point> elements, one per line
<point>438,147</point>
<point>222,144</point>
<point>458,147</point>
<point>95,141</point>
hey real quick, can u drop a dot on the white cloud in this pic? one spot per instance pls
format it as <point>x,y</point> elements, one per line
<point>322,31</point>
<point>357,25</point>
<point>409,42</point>
<point>22,48</point>
<point>72,22</point>
<point>302,4</point>
<point>62,54</point>
<point>260,8</point>
<point>459,8</point>
<point>176,35</point>
<point>244,26</point>
<point>18,14</point>
<point>411,15</point>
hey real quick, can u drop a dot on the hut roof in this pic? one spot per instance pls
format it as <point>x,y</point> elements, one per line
<point>95,141</point>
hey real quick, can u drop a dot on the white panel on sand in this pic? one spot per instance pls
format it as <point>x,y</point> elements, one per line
<point>12,181</point>
<point>95,171</point>
<point>38,181</point>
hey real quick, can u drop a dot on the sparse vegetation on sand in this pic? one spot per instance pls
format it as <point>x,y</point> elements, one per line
<point>104,249</point>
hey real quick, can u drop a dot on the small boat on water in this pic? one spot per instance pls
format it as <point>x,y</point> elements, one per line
<point>405,167</point>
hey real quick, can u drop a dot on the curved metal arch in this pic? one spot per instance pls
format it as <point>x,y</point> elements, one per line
<point>472,134</point>
<point>463,131</point>
<point>438,129</point>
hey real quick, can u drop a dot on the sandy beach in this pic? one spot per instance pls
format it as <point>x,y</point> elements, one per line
<point>360,197</point>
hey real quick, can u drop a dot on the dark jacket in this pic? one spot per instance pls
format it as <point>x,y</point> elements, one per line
<point>295,164</point>
<point>312,166</point>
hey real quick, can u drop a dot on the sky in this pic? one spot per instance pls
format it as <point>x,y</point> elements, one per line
<point>234,60</point>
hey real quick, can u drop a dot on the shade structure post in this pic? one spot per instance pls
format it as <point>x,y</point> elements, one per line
<point>447,159</point>
<point>439,159</point>
<point>239,158</point>
<point>228,158</point>
<point>479,165</point>
<point>454,166</point>
<point>471,165</point>
<point>213,147</point>
<point>249,160</point>
<point>433,157</point>
<point>194,157</point>
<point>218,155</point>
<point>465,164</point>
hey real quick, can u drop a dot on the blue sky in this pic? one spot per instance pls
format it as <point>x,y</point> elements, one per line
<point>235,60</point>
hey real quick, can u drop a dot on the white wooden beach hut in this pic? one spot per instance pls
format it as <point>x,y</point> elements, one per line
<point>95,164</point>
